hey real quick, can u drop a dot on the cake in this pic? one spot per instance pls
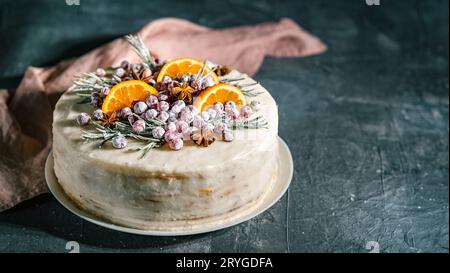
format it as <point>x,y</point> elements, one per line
<point>139,169</point>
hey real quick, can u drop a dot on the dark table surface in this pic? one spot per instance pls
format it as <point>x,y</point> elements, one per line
<point>367,123</point>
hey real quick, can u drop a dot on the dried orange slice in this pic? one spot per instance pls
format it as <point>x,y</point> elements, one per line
<point>123,94</point>
<point>182,66</point>
<point>219,93</point>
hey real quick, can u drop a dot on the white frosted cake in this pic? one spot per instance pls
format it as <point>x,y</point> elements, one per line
<point>181,177</point>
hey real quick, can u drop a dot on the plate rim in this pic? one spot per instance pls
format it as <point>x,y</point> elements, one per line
<point>61,197</point>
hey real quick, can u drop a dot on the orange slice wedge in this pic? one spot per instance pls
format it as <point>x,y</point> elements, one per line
<point>125,93</point>
<point>184,66</point>
<point>219,93</point>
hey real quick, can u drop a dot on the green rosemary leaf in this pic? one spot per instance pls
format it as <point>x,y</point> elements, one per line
<point>116,78</point>
<point>250,92</point>
<point>141,50</point>
<point>255,123</point>
<point>200,72</point>
<point>232,80</point>
<point>106,139</point>
<point>142,137</point>
<point>146,148</point>
<point>89,82</point>
<point>204,77</point>
<point>85,100</point>
<point>122,126</point>
<point>246,85</point>
<point>83,95</point>
<point>151,123</point>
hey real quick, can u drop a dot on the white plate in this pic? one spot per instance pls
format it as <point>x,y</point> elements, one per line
<point>277,190</point>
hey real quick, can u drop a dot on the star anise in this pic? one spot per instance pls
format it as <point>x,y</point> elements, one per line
<point>183,92</point>
<point>108,121</point>
<point>203,137</point>
<point>222,70</point>
<point>144,74</point>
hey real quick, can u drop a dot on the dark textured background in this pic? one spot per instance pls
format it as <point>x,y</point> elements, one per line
<point>367,123</point>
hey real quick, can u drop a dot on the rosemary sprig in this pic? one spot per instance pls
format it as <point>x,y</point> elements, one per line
<point>84,100</point>
<point>89,82</point>
<point>83,95</point>
<point>151,123</point>
<point>104,134</point>
<point>146,148</point>
<point>114,78</point>
<point>141,50</point>
<point>126,129</point>
<point>250,92</point>
<point>230,80</point>
<point>122,126</point>
<point>255,123</point>
<point>204,77</point>
<point>247,92</point>
<point>246,85</point>
<point>200,72</point>
<point>142,137</point>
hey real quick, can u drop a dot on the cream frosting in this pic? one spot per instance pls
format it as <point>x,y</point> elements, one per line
<point>192,183</point>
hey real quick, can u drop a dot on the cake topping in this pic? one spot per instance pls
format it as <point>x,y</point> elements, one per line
<point>126,112</point>
<point>120,72</point>
<point>104,91</point>
<point>125,93</point>
<point>163,106</point>
<point>171,127</point>
<point>204,137</point>
<point>224,93</point>
<point>100,72</point>
<point>152,101</point>
<point>150,114</point>
<point>246,111</point>
<point>138,126</point>
<point>109,121</point>
<point>140,107</point>
<point>163,116</point>
<point>182,127</point>
<point>186,66</point>
<point>228,135</point>
<point>176,144</point>
<point>255,105</point>
<point>154,104</point>
<point>125,64</point>
<point>98,114</point>
<point>158,132</point>
<point>143,75</point>
<point>119,141</point>
<point>184,92</point>
<point>83,119</point>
